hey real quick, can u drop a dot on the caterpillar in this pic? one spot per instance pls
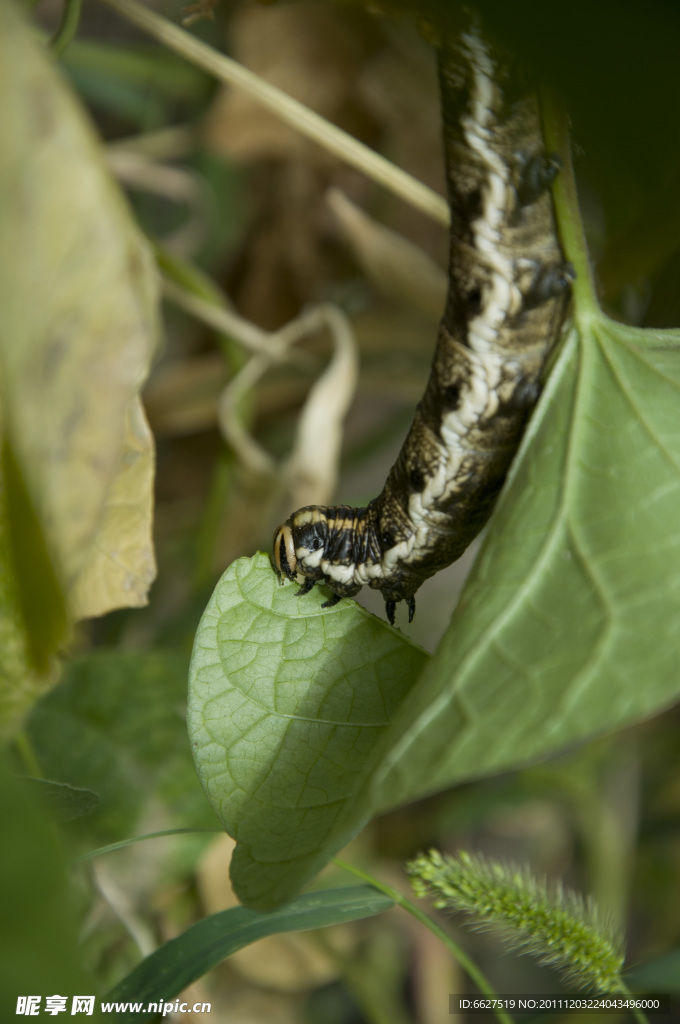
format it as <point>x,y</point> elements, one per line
<point>507,298</point>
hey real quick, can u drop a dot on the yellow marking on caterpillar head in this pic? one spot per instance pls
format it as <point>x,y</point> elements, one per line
<point>285,559</point>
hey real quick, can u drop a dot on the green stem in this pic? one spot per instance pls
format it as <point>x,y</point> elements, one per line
<point>209,528</point>
<point>194,282</point>
<point>565,197</point>
<point>101,850</point>
<point>639,1015</point>
<point>68,26</point>
<point>465,962</point>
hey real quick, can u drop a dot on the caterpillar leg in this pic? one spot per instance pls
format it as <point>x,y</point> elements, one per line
<point>551,282</point>
<point>411,605</point>
<point>391,606</point>
<point>305,587</point>
<point>537,175</point>
<point>332,601</point>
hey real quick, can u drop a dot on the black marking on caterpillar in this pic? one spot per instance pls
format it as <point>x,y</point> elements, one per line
<point>507,298</point>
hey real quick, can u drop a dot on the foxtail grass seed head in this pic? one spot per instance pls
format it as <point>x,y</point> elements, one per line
<point>556,925</point>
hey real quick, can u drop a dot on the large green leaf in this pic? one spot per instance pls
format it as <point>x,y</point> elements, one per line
<point>60,801</point>
<point>565,630</point>
<point>115,725</point>
<point>40,949</point>
<point>566,627</point>
<point>287,705</point>
<point>179,962</point>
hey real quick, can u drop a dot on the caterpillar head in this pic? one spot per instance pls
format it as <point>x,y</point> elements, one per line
<point>299,542</point>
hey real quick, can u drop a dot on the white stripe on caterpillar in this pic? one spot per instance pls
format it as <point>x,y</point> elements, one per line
<point>508,294</point>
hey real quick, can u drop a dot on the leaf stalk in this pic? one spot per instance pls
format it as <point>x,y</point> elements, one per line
<point>565,197</point>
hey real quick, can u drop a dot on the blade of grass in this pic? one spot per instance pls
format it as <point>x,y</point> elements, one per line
<point>112,847</point>
<point>288,109</point>
<point>179,962</point>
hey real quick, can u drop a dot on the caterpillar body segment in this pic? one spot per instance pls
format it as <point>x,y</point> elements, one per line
<point>508,295</point>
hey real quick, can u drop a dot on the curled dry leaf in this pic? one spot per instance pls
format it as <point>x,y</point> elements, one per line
<point>79,300</point>
<point>313,465</point>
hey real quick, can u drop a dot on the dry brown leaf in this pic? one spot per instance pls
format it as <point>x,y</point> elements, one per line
<point>312,468</point>
<point>79,299</point>
<point>121,566</point>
